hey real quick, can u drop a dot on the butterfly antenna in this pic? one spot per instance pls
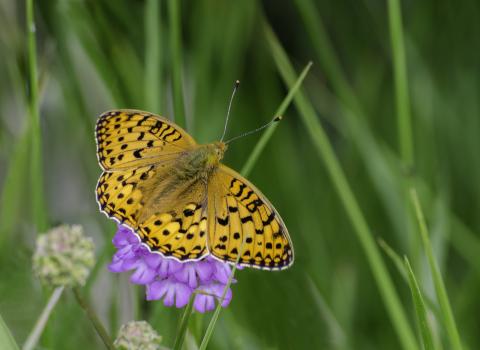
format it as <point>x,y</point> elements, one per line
<point>235,87</point>
<point>274,120</point>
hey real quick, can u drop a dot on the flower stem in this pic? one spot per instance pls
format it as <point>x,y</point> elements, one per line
<point>36,332</point>
<point>213,321</point>
<point>102,332</point>
<point>184,324</point>
<point>38,205</point>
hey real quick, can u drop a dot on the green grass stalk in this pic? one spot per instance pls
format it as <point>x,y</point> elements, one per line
<point>182,330</point>
<point>325,151</point>
<point>37,330</point>
<point>216,313</point>
<point>404,123</point>
<point>153,62</point>
<point>97,324</point>
<point>326,54</point>
<point>440,289</point>
<point>253,157</point>
<point>176,61</point>
<point>420,308</point>
<point>36,180</point>
<point>6,338</point>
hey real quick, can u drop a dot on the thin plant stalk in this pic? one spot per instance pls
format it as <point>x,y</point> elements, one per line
<point>153,62</point>
<point>97,324</point>
<point>37,330</point>
<point>262,142</point>
<point>36,180</point>
<point>176,61</point>
<point>339,179</point>
<point>216,313</point>
<point>404,123</point>
<point>6,337</point>
<point>182,331</point>
<point>420,308</point>
<point>440,289</point>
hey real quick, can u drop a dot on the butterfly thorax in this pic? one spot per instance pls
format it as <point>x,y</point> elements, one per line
<point>200,162</point>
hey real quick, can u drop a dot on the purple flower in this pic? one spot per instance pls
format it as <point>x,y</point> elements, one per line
<point>169,280</point>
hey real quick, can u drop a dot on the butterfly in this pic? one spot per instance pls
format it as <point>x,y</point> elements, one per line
<point>179,199</point>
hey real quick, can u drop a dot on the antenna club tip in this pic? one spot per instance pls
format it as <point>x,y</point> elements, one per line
<point>237,82</point>
<point>277,118</point>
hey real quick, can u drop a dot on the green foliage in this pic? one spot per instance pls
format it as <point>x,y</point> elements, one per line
<point>392,84</point>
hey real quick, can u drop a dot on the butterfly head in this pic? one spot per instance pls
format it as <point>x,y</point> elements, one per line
<point>215,152</point>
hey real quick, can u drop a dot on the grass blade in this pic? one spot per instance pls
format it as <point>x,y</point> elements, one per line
<point>216,313</point>
<point>6,338</point>
<point>14,187</point>
<point>401,83</point>
<point>38,202</point>
<point>153,63</point>
<point>338,337</point>
<point>182,330</point>
<point>176,61</point>
<point>252,159</point>
<point>442,296</point>
<point>420,309</point>
<point>364,234</point>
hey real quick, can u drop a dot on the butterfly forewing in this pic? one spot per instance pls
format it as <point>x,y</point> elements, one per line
<point>130,138</point>
<point>239,212</point>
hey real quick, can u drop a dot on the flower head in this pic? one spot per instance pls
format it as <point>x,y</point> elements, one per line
<point>170,280</point>
<point>137,335</point>
<point>64,256</point>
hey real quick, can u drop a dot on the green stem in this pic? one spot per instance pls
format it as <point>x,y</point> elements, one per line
<point>176,61</point>
<point>440,289</point>
<point>213,320</point>
<point>38,205</point>
<point>182,330</point>
<point>401,83</point>
<point>153,62</point>
<point>37,330</point>
<point>252,159</point>
<point>6,337</point>
<point>364,234</point>
<point>420,308</point>
<point>97,324</point>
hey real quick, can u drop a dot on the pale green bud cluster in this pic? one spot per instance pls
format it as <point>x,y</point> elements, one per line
<point>137,335</point>
<point>64,256</point>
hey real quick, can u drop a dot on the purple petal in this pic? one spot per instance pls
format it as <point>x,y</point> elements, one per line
<point>206,302</point>
<point>168,267</point>
<point>188,276</point>
<point>203,303</point>
<point>169,297</point>
<point>183,293</point>
<point>222,272</point>
<point>194,271</point>
<point>153,260</point>
<point>172,292</point>
<point>143,274</point>
<point>157,289</point>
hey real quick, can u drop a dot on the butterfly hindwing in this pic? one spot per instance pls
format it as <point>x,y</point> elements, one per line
<point>238,212</point>
<point>130,138</point>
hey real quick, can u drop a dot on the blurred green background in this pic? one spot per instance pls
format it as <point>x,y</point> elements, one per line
<point>398,113</point>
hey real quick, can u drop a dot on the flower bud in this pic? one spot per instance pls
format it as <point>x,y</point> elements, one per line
<point>137,335</point>
<point>64,256</point>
